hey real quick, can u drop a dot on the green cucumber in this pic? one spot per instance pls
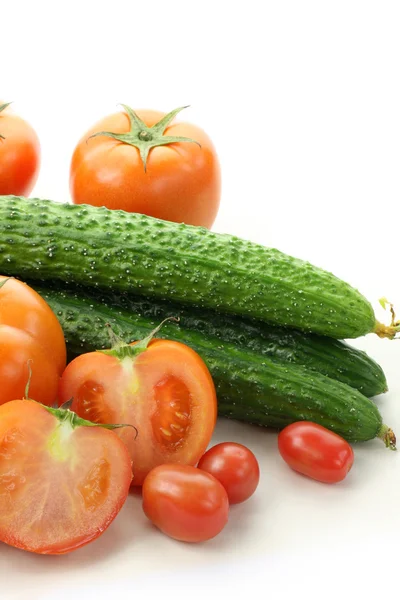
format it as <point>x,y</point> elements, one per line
<point>133,253</point>
<point>249,386</point>
<point>138,316</point>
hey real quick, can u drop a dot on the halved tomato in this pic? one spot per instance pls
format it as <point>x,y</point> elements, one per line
<point>164,389</point>
<point>62,481</point>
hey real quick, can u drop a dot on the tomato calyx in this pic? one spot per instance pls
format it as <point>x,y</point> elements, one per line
<point>8,278</point>
<point>64,415</point>
<point>122,350</point>
<point>145,138</point>
<point>3,107</point>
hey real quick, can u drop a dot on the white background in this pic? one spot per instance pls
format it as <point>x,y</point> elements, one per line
<point>302,100</point>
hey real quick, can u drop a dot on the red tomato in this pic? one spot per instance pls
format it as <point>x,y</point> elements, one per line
<point>17,349</point>
<point>19,154</point>
<point>181,181</point>
<point>61,483</point>
<point>166,392</point>
<point>235,467</point>
<point>186,503</point>
<point>315,451</point>
<point>23,308</point>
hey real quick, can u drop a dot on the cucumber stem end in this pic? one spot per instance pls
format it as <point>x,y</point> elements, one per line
<point>387,435</point>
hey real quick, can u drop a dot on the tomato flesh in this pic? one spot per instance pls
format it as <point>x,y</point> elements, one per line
<point>60,487</point>
<point>235,467</point>
<point>315,451</point>
<point>185,503</point>
<point>166,393</point>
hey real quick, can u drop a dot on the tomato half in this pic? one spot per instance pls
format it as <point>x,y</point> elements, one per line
<point>166,392</point>
<point>23,308</point>
<point>315,451</point>
<point>18,350</point>
<point>181,181</point>
<point>19,154</point>
<point>61,484</point>
<point>186,503</point>
<point>235,467</point>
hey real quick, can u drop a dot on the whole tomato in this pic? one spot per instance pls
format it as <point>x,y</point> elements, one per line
<point>23,308</point>
<point>185,503</point>
<point>235,467</point>
<point>19,154</point>
<point>315,451</point>
<point>145,162</point>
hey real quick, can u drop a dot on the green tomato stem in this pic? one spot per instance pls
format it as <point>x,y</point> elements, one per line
<point>145,138</point>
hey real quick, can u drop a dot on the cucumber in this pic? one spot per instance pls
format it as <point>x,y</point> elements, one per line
<point>250,387</point>
<point>133,253</point>
<point>133,318</point>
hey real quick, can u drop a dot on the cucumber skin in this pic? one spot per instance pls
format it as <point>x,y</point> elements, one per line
<point>126,252</point>
<point>249,387</point>
<point>327,356</point>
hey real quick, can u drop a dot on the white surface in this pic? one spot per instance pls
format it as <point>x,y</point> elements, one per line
<point>302,100</point>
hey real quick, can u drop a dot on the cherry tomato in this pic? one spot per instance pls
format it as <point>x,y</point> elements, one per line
<point>18,350</point>
<point>23,308</point>
<point>315,451</point>
<point>177,182</point>
<point>19,154</point>
<point>166,392</point>
<point>186,503</point>
<point>62,482</point>
<point>235,467</point>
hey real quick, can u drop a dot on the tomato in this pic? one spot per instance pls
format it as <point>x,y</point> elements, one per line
<point>17,350</point>
<point>19,154</point>
<point>23,308</point>
<point>186,503</point>
<point>177,181</point>
<point>315,451</point>
<point>235,467</point>
<point>166,392</point>
<point>61,482</point>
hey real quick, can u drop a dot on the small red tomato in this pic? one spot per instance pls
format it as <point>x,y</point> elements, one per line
<point>315,451</point>
<point>186,503</point>
<point>235,467</point>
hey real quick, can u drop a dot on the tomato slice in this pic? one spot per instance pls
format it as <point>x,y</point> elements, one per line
<point>23,308</point>
<point>166,392</point>
<point>61,484</point>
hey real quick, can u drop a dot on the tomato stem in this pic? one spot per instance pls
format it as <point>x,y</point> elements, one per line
<point>8,278</point>
<point>68,416</point>
<point>28,383</point>
<point>3,107</point>
<point>122,350</point>
<point>145,138</point>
